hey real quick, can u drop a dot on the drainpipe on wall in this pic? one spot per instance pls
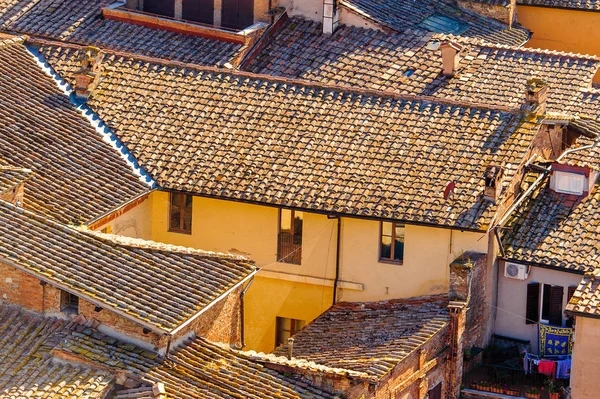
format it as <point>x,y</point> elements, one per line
<point>337,258</point>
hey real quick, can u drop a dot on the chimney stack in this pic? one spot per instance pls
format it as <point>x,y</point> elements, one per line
<point>493,183</point>
<point>536,93</point>
<point>450,57</point>
<point>331,16</point>
<point>84,77</point>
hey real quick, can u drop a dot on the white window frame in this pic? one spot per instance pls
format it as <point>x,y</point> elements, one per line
<point>569,182</point>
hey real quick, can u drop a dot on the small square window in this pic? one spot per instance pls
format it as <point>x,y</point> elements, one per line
<point>287,328</point>
<point>69,303</point>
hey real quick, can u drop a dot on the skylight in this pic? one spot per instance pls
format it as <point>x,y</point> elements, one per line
<point>442,24</point>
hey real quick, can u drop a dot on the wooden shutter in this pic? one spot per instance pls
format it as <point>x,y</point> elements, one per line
<point>237,14</point>
<point>198,11</point>
<point>436,392</point>
<point>160,7</point>
<point>556,308</point>
<point>532,313</point>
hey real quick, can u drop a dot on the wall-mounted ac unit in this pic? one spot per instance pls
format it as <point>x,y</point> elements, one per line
<point>516,271</point>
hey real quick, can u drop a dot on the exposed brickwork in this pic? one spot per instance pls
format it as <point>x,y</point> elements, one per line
<point>503,13</point>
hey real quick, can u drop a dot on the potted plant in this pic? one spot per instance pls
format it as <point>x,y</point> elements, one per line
<point>553,389</point>
<point>533,393</point>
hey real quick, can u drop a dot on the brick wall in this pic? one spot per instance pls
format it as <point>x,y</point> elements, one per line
<point>507,14</point>
<point>549,141</point>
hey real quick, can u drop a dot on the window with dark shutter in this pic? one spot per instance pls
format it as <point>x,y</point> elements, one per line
<point>532,314</point>
<point>556,305</point>
<point>160,7</point>
<point>198,11</point>
<point>570,292</point>
<point>237,14</point>
<point>436,392</point>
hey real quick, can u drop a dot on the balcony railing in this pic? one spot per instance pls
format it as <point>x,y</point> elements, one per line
<point>289,248</point>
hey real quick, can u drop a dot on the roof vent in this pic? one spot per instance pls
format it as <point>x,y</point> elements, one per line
<point>536,93</point>
<point>331,16</point>
<point>84,77</point>
<point>450,57</point>
<point>493,183</point>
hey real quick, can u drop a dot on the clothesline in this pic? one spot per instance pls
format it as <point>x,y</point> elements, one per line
<point>555,368</point>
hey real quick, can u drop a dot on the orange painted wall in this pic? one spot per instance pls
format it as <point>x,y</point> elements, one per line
<point>563,30</point>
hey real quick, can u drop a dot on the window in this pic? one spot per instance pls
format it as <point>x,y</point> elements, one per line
<point>289,241</point>
<point>435,392</point>
<point>180,215</point>
<point>237,14</point>
<point>568,183</point>
<point>160,7</point>
<point>287,328</point>
<point>392,242</point>
<point>544,304</point>
<point>69,303</point>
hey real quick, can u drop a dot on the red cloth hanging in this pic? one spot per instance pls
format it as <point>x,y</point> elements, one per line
<point>547,367</point>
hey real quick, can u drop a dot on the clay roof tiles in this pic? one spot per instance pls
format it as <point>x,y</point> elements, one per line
<point>259,139</point>
<point>586,299</point>
<point>437,16</point>
<point>156,285</point>
<point>32,365</point>
<point>11,177</point>
<point>81,21</point>
<point>370,337</point>
<point>411,63</point>
<point>77,175</point>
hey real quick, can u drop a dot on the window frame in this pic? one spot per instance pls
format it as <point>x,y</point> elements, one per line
<point>67,304</point>
<point>287,258</point>
<point>560,177</point>
<point>391,259</point>
<point>293,330</point>
<point>180,229</point>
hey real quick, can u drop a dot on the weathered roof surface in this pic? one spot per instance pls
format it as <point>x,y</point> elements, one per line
<point>258,139</point>
<point>586,5</point>
<point>586,299</point>
<point>27,368</point>
<point>11,177</point>
<point>370,337</point>
<point>412,64</point>
<point>31,346</point>
<point>81,21</point>
<point>161,285</point>
<point>436,16</point>
<point>77,176</point>
<point>555,229</point>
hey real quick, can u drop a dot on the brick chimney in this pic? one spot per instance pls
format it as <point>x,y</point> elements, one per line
<point>536,93</point>
<point>493,183</point>
<point>331,16</point>
<point>89,59</point>
<point>450,57</point>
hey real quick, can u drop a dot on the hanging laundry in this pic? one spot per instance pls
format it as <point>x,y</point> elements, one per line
<point>547,367</point>
<point>563,368</point>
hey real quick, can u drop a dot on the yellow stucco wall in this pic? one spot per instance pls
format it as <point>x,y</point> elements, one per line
<point>564,30</point>
<point>136,223</point>
<point>586,358</point>
<point>305,291</point>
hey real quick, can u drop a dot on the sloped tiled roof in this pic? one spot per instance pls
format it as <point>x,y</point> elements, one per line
<point>30,347</point>
<point>586,5</point>
<point>586,299</point>
<point>81,21</point>
<point>11,177</point>
<point>370,337</point>
<point>253,138</point>
<point>27,368</point>
<point>77,176</point>
<point>553,229</point>
<point>157,284</point>
<point>401,15</point>
<point>412,64</point>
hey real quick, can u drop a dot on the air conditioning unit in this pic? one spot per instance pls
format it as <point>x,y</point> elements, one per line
<point>516,271</point>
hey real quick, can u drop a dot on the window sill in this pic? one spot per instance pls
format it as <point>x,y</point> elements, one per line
<point>180,231</point>
<point>392,262</point>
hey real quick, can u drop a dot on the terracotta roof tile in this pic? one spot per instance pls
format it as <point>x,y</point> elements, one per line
<point>157,284</point>
<point>586,299</point>
<point>11,177</point>
<point>254,138</point>
<point>81,21</point>
<point>553,229</point>
<point>412,64</point>
<point>370,337</point>
<point>77,175</point>
<point>436,16</point>
<point>29,365</point>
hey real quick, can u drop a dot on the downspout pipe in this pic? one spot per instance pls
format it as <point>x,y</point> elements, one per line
<point>337,259</point>
<point>242,329</point>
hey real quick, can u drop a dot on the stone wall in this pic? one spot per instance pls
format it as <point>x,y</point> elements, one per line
<point>503,13</point>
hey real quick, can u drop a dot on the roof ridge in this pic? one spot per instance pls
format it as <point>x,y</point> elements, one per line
<point>533,50</point>
<point>291,81</point>
<point>7,40</point>
<point>159,246</point>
